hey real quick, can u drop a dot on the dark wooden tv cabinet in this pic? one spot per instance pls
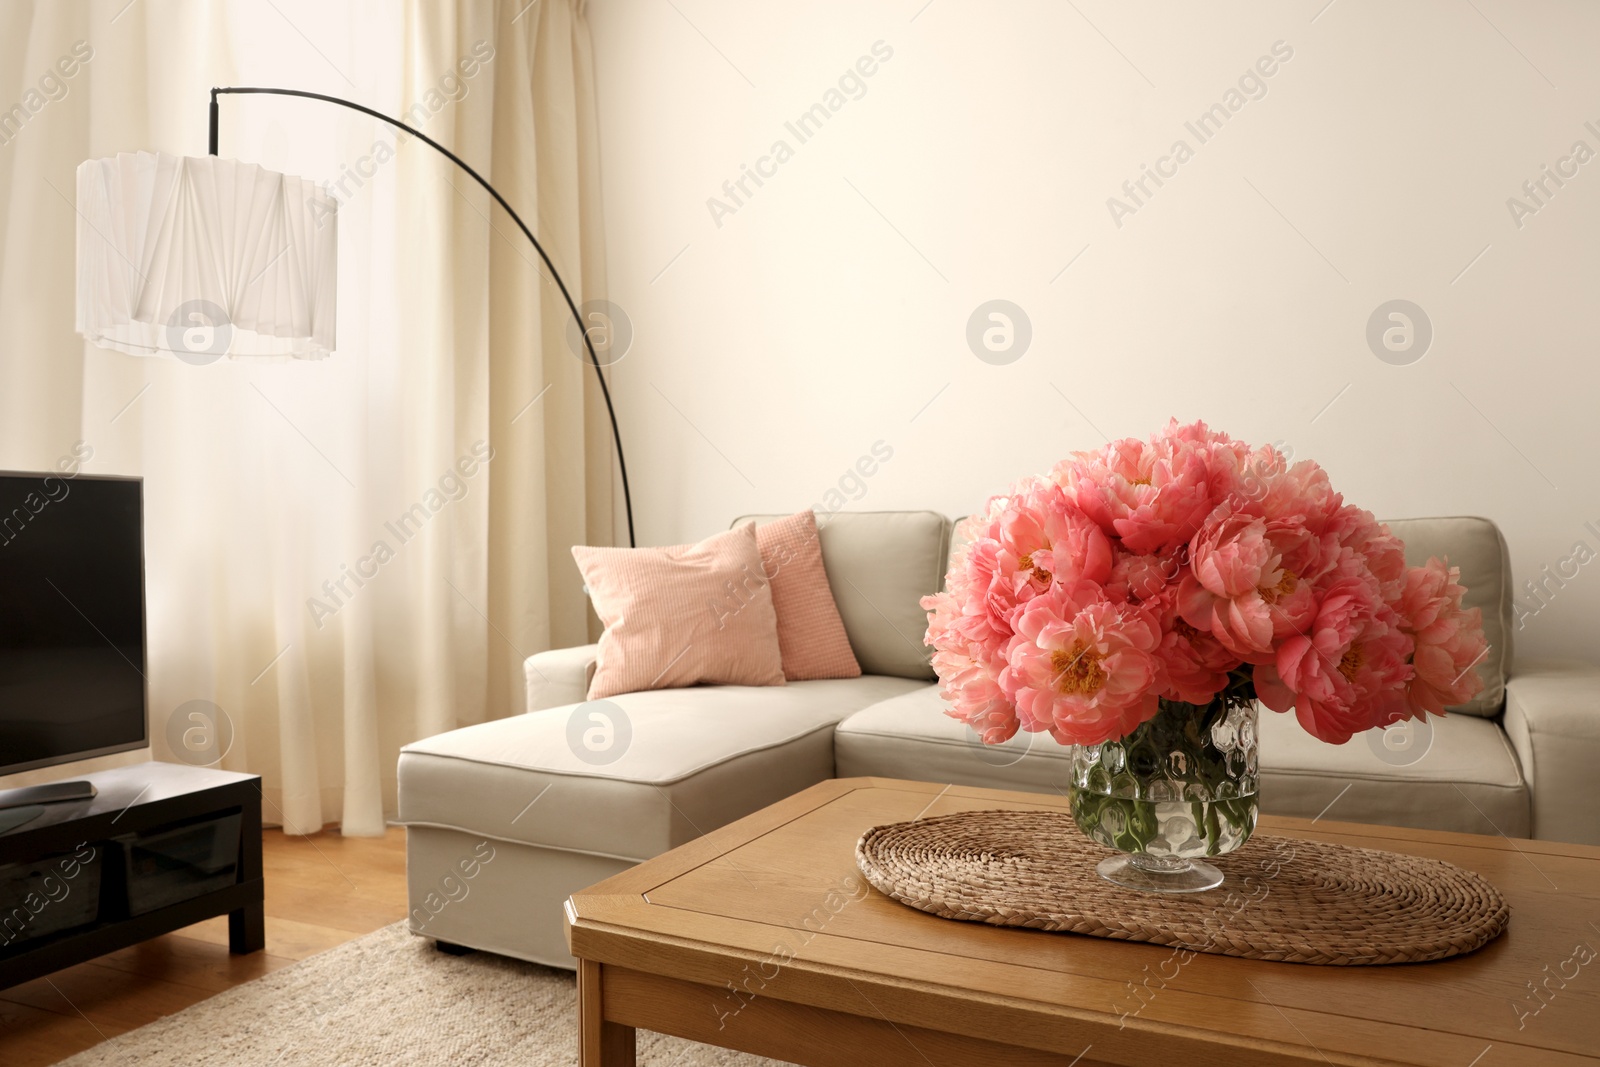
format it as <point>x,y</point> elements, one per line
<point>163,846</point>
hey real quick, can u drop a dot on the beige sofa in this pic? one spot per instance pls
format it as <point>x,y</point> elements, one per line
<point>573,792</point>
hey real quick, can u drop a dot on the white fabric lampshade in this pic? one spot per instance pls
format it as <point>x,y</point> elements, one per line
<point>200,257</point>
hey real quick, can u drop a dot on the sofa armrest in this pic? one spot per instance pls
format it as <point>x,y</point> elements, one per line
<point>560,676</point>
<point>1553,720</point>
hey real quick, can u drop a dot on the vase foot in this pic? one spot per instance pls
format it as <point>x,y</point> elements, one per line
<point>1150,875</point>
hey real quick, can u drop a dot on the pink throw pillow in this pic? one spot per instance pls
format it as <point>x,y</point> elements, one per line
<point>682,615</point>
<point>810,633</point>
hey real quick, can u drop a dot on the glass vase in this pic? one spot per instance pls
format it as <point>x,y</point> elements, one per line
<point>1180,788</point>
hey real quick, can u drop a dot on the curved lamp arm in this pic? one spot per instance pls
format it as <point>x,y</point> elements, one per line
<point>594,360</point>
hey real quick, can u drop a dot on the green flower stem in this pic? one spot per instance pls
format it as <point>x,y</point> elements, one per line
<point>1133,824</point>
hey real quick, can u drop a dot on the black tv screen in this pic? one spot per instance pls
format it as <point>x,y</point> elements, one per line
<point>72,640</point>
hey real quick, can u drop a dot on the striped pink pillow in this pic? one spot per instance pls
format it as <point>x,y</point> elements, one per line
<point>810,633</point>
<point>682,615</point>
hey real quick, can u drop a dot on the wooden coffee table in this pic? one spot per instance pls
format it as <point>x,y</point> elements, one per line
<point>762,936</point>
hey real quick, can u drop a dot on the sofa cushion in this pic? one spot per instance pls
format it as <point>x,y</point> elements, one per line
<point>811,635</point>
<point>880,565</point>
<point>1467,779</point>
<point>1476,546</point>
<point>909,736</point>
<point>681,762</point>
<point>682,615</point>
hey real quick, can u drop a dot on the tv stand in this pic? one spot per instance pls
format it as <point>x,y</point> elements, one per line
<point>49,793</point>
<point>147,849</point>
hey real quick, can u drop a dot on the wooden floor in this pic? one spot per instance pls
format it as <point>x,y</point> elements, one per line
<point>321,891</point>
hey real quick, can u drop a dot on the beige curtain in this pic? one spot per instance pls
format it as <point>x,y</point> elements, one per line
<point>533,133</point>
<point>333,559</point>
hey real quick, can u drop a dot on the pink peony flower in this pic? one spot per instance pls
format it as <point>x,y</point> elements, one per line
<point>1449,640</point>
<point>1299,494</point>
<point>1079,550</point>
<point>1026,540</point>
<point>1022,546</point>
<point>1081,666</point>
<point>1143,577</point>
<point>969,576</point>
<point>1346,674</point>
<point>968,677</point>
<point>1044,537</point>
<point>1241,589</point>
<point>976,698</point>
<point>1380,552</point>
<point>1152,496</point>
<point>987,592</point>
<point>1260,471</point>
<point>1194,666</point>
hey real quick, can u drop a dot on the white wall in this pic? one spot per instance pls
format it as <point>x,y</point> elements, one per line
<point>829,310</point>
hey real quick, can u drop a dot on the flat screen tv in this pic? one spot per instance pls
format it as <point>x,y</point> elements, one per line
<point>72,628</point>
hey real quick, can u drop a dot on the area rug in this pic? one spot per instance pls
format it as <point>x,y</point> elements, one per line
<point>388,998</point>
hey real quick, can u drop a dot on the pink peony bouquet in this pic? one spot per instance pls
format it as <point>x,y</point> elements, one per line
<point>1186,565</point>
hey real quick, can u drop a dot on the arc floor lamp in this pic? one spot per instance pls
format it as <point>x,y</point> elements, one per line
<point>204,257</point>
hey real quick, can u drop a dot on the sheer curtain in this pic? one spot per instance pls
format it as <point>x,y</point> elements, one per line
<point>346,555</point>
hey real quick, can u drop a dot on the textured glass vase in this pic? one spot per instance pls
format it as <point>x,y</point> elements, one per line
<point>1178,789</point>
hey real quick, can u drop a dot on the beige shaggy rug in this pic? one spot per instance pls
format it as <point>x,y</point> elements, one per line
<point>388,998</point>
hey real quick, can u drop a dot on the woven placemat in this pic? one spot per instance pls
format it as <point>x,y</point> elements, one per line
<point>1282,899</point>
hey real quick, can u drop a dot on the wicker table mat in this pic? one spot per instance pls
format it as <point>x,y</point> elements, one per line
<point>1283,898</point>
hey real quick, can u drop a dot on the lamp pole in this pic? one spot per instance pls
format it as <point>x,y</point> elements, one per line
<point>594,360</point>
